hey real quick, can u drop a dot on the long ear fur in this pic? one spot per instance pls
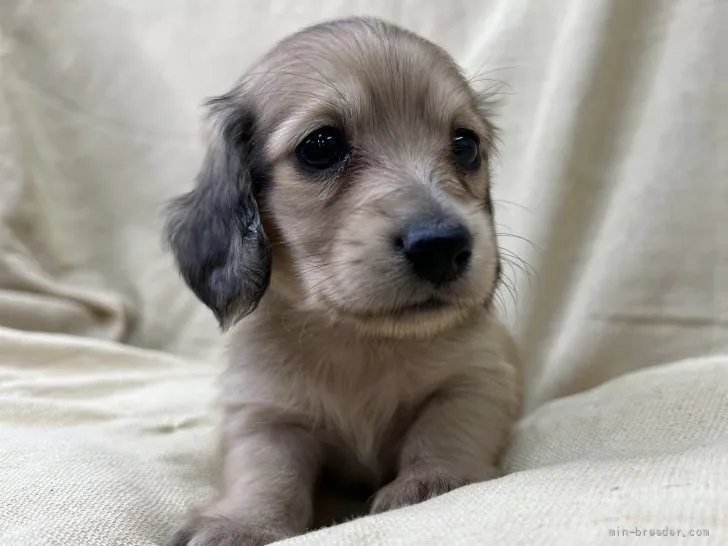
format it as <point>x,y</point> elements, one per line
<point>214,231</point>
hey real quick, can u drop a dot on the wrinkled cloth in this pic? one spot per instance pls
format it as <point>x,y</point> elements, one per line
<point>611,199</point>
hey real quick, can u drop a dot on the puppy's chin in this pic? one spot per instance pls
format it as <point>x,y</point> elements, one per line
<point>417,323</point>
<point>410,326</point>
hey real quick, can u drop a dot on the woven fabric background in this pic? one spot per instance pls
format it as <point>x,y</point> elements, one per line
<point>611,185</point>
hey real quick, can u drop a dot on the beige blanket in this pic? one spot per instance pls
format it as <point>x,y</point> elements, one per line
<point>612,203</point>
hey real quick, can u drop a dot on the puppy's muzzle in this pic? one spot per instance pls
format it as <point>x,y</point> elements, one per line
<point>437,251</point>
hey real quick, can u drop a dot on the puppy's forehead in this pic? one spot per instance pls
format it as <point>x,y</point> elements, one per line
<point>365,78</point>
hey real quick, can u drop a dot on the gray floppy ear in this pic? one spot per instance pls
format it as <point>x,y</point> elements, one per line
<point>214,231</point>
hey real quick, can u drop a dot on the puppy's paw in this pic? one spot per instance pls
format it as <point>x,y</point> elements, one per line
<point>202,530</point>
<point>415,487</point>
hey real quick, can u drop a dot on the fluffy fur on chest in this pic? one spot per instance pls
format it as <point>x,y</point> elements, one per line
<point>356,395</point>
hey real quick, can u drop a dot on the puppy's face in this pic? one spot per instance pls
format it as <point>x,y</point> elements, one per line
<point>358,181</point>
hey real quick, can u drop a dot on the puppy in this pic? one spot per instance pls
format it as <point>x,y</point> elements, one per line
<point>344,208</point>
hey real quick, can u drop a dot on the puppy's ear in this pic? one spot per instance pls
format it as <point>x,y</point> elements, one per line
<point>214,231</point>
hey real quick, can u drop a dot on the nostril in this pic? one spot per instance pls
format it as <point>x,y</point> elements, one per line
<point>462,258</point>
<point>399,243</point>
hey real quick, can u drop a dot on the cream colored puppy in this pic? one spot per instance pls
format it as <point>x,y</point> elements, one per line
<point>344,209</point>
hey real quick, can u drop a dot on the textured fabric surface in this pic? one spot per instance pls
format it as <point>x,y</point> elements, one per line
<point>611,192</point>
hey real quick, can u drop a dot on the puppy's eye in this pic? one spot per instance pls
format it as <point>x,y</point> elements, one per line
<point>466,150</point>
<point>323,148</point>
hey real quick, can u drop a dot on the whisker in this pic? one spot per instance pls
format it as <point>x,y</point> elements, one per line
<point>511,290</point>
<point>498,299</point>
<point>512,203</point>
<point>522,264</point>
<point>533,245</point>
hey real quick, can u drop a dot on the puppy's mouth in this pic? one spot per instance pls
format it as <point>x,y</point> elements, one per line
<point>409,320</point>
<point>430,305</point>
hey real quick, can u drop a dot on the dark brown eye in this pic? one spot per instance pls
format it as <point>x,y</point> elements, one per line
<point>323,148</point>
<point>466,150</point>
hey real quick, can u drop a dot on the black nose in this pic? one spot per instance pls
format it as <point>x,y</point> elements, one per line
<point>437,252</point>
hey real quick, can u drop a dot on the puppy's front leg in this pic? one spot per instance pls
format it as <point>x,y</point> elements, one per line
<point>268,489</point>
<point>456,440</point>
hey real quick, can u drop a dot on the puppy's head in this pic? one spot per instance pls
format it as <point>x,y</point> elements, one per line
<point>348,171</point>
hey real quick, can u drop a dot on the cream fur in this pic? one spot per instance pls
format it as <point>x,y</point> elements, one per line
<point>335,383</point>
